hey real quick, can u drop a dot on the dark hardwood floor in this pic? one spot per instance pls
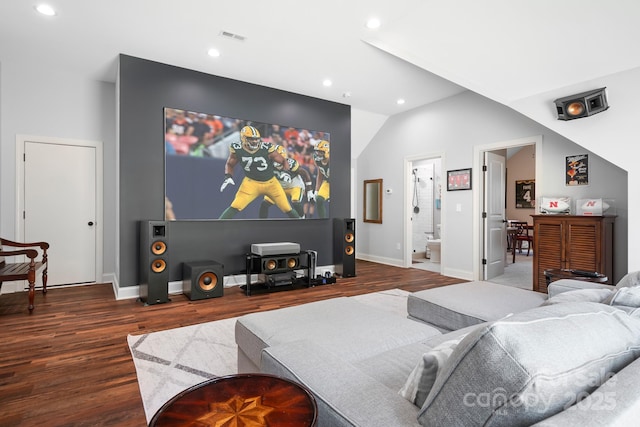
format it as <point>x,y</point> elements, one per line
<point>68,363</point>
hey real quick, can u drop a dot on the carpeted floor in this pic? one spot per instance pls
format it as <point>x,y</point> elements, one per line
<point>518,274</point>
<point>168,362</point>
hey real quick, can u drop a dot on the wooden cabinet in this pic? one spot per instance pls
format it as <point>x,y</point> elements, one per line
<point>571,242</point>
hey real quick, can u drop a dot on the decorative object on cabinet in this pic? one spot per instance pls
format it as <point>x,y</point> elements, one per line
<point>526,193</point>
<point>572,242</point>
<point>577,168</point>
<point>459,179</point>
<point>595,207</point>
<point>555,205</point>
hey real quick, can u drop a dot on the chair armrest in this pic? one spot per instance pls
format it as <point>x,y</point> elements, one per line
<point>564,285</point>
<point>42,245</point>
<point>31,253</point>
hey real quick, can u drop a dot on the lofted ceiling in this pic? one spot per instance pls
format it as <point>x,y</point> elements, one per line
<point>424,51</point>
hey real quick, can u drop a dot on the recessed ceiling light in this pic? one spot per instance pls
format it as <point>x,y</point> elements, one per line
<point>214,52</point>
<point>400,101</point>
<point>45,9</point>
<point>373,24</point>
<point>327,82</point>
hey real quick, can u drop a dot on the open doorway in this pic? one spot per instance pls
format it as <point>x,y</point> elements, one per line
<point>423,198</point>
<point>520,168</point>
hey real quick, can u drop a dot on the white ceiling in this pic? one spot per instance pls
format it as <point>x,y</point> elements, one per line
<point>506,50</point>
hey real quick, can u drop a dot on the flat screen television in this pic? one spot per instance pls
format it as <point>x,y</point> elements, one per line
<point>219,168</point>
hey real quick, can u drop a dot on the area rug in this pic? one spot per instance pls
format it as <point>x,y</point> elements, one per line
<point>168,362</point>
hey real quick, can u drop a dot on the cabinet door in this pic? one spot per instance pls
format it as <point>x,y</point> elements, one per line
<point>549,252</point>
<point>583,246</point>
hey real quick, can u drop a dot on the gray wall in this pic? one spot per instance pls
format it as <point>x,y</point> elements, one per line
<point>145,88</point>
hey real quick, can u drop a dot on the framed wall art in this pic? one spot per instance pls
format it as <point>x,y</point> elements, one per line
<point>459,179</point>
<point>577,168</point>
<point>526,194</point>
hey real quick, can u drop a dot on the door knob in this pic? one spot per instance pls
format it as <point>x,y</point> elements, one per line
<point>90,223</point>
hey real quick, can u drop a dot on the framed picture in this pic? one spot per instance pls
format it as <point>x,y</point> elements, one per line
<point>577,168</point>
<point>459,179</point>
<point>526,194</point>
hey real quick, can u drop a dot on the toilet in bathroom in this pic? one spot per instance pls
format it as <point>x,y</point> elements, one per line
<point>433,246</point>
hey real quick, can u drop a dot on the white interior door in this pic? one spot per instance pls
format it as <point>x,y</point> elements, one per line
<point>60,208</point>
<point>494,224</point>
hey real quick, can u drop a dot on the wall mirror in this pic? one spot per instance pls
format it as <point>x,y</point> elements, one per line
<point>373,201</point>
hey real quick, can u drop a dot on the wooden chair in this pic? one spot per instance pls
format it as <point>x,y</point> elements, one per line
<point>24,270</point>
<point>524,233</point>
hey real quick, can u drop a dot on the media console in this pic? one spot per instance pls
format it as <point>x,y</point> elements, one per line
<point>279,270</point>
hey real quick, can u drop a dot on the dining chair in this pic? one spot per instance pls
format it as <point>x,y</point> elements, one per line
<point>524,233</point>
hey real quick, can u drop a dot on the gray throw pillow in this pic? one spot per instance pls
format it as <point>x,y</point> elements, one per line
<point>581,295</point>
<point>423,376</point>
<point>628,297</point>
<point>630,280</point>
<point>521,370</point>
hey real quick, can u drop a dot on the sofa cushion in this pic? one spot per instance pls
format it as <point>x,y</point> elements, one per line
<point>454,307</point>
<point>531,365</point>
<point>423,376</point>
<point>581,295</point>
<point>352,330</point>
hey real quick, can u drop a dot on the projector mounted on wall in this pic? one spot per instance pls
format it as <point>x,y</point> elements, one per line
<point>582,105</point>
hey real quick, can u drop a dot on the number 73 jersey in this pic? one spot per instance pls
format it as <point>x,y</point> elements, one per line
<point>256,165</point>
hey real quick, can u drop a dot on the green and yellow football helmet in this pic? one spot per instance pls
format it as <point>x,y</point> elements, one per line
<point>250,138</point>
<point>321,151</point>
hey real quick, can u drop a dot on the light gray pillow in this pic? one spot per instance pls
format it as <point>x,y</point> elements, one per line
<point>423,376</point>
<point>521,370</point>
<point>627,296</point>
<point>630,280</point>
<point>581,295</point>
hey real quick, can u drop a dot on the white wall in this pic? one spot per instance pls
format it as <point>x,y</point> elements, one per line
<point>454,126</point>
<point>44,102</point>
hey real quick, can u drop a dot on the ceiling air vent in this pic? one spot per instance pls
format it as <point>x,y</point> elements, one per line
<point>232,36</point>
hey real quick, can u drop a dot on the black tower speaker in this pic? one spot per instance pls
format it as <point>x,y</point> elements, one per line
<point>202,279</point>
<point>154,262</point>
<point>582,104</point>
<point>344,246</point>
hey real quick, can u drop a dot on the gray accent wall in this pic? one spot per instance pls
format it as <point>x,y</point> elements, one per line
<point>144,89</point>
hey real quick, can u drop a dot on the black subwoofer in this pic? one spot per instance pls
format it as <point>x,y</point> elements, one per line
<point>344,246</point>
<point>154,262</point>
<point>202,279</point>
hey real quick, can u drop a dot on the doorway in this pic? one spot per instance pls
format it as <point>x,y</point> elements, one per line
<point>423,201</point>
<point>520,164</point>
<point>59,200</point>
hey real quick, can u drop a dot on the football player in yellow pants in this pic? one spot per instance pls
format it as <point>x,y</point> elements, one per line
<point>257,158</point>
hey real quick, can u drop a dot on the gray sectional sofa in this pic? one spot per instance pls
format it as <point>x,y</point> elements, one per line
<point>470,354</point>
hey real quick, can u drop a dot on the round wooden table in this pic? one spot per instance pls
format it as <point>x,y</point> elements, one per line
<point>243,400</point>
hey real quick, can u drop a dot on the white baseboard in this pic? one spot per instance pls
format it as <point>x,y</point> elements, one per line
<point>381,260</point>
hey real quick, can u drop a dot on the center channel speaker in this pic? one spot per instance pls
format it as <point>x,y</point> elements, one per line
<point>582,104</point>
<point>344,246</point>
<point>202,279</point>
<point>278,263</point>
<point>154,262</point>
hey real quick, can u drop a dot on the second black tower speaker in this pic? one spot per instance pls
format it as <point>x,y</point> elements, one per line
<point>154,262</point>
<point>344,246</point>
<point>202,279</point>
